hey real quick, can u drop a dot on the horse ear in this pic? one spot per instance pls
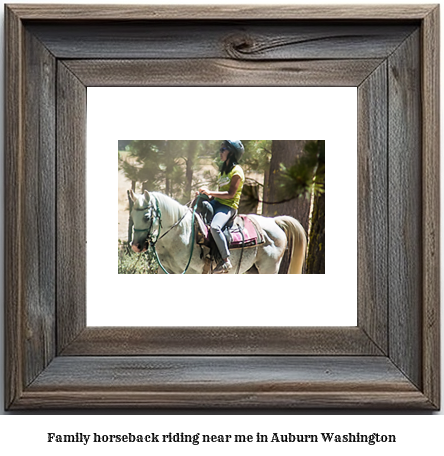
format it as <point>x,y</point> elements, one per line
<point>133,196</point>
<point>146,194</point>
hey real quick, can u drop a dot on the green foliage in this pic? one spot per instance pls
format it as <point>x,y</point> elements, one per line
<point>142,163</point>
<point>135,263</point>
<point>123,144</point>
<point>307,175</point>
<point>159,165</point>
<point>257,155</point>
<point>174,167</point>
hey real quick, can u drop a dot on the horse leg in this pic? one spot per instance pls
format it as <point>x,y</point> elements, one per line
<point>269,258</point>
<point>268,266</point>
<point>269,255</point>
<point>252,270</point>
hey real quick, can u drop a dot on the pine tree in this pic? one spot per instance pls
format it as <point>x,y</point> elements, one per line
<point>256,160</point>
<point>316,249</point>
<point>306,179</point>
<point>286,153</point>
<point>142,164</point>
<point>157,165</point>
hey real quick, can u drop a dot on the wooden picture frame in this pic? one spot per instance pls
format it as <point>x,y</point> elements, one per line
<point>390,360</point>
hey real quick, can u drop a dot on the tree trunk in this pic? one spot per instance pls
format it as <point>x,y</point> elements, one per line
<point>285,152</point>
<point>189,170</point>
<point>316,250</point>
<point>130,220</point>
<point>167,185</point>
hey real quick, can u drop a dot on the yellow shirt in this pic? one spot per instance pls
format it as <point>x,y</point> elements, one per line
<point>224,182</point>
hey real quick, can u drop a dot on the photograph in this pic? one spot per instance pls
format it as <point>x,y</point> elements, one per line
<point>221,207</point>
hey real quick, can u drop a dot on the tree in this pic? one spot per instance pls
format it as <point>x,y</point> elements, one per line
<point>156,165</point>
<point>257,155</point>
<point>256,160</point>
<point>192,149</point>
<point>142,163</point>
<point>284,153</point>
<point>316,248</point>
<point>300,181</point>
<point>306,177</point>
<point>170,155</point>
<point>192,153</point>
<point>123,143</point>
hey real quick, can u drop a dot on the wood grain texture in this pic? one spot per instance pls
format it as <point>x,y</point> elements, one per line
<point>106,341</point>
<point>242,40</point>
<point>219,12</point>
<point>13,207</point>
<point>405,208</point>
<point>85,370</point>
<point>209,373</point>
<point>430,94</point>
<point>39,207</point>
<point>30,226</point>
<point>233,382</point>
<point>373,270</point>
<point>222,72</point>
<point>245,401</point>
<point>71,206</point>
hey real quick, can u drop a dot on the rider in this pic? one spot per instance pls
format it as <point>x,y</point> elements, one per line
<point>225,201</point>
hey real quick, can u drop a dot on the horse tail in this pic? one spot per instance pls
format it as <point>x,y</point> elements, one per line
<point>297,242</point>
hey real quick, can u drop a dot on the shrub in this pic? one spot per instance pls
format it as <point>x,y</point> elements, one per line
<point>135,263</point>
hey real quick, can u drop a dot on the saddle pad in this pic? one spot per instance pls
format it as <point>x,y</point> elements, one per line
<point>233,234</point>
<point>248,236</point>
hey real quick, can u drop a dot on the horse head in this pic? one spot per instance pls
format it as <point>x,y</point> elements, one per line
<point>143,215</point>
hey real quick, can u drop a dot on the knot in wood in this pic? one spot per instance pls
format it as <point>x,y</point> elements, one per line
<point>239,45</point>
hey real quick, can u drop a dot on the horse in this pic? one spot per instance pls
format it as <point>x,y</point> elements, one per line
<point>168,226</point>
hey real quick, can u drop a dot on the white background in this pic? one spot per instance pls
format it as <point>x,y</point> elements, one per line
<point>416,432</point>
<point>182,113</point>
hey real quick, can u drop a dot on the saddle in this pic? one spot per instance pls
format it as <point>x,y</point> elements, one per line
<point>241,232</point>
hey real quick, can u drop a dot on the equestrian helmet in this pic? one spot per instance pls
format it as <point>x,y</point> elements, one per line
<point>236,147</point>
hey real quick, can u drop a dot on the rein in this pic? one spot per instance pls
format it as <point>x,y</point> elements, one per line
<point>152,242</point>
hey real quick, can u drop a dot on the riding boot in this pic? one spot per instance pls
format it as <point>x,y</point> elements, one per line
<point>223,267</point>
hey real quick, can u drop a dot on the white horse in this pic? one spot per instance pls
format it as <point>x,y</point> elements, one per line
<point>168,225</point>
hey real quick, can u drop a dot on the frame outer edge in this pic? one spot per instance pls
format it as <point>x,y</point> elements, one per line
<point>220,12</point>
<point>431,205</point>
<point>14,173</point>
<point>13,207</point>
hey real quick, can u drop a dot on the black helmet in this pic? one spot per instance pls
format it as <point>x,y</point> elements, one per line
<point>236,147</point>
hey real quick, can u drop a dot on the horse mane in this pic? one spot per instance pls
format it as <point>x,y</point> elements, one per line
<point>169,206</point>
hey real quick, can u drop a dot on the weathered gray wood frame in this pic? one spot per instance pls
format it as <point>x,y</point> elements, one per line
<point>390,360</point>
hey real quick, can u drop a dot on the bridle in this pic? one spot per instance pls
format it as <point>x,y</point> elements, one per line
<point>152,240</point>
<point>148,216</point>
